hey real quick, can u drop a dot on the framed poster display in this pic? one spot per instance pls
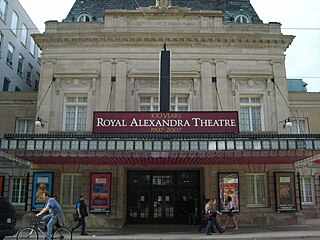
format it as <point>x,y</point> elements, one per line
<point>42,182</point>
<point>100,192</point>
<point>229,186</point>
<point>285,192</point>
<point>1,185</point>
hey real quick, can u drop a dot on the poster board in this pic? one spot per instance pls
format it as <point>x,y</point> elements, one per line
<point>42,182</point>
<point>229,186</point>
<point>285,192</point>
<point>100,192</point>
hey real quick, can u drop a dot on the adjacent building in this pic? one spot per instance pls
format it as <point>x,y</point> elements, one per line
<point>225,124</point>
<point>19,55</point>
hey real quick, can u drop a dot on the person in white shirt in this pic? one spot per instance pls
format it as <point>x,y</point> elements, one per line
<point>230,209</point>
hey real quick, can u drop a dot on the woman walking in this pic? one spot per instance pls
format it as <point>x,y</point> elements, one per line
<point>230,208</point>
<point>212,217</point>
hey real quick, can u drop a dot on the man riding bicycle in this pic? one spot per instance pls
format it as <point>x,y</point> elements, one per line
<point>55,214</point>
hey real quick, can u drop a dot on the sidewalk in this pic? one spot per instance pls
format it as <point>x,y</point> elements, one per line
<point>186,232</point>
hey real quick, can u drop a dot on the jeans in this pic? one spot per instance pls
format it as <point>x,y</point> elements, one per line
<point>50,222</point>
<point>211,222</point>
<point>81,223</point>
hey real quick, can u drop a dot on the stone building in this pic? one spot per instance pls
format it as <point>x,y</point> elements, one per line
<point>226,129</point>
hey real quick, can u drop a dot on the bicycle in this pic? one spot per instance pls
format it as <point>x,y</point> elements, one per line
<point>33,232</point>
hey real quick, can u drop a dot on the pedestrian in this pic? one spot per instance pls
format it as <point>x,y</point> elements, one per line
<point>55,214</point>
<point>81,210</point>
<point>191,208</point>
<point>212,217</point>
<point>205,218</point>
<point>230,209</point>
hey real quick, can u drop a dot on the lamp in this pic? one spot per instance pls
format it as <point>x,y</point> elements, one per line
<point>39,122</point>
<point>287,123</point>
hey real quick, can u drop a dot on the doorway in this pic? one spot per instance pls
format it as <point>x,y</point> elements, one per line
<point>161,196</point>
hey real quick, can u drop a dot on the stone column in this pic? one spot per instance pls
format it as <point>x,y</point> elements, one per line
<point>206,84</point>
<point>46,86</point>
<point>281,93</point>
<point>222,86</point>
<point>121,86</point>
<point>105,85</point>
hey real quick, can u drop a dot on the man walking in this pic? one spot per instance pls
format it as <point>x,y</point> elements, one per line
<point>55,214</point>
<point>81,210</point>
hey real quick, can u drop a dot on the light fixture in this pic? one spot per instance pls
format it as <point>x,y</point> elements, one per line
<point>39,122</point>
<point>287,123</point>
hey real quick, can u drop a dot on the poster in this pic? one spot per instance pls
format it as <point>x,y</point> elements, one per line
<point>285,192</point>
<point>1,185</point>
<point>100,192</point>
<point>228,186</point>
<point>42,182</point>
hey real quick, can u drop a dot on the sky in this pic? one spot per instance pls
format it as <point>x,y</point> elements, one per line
<point>298,18</point>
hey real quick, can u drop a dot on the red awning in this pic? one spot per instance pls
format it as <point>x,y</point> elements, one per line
<point>163,158</point>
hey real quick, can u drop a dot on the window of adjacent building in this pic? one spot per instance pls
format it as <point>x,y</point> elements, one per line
<point>256,190</point>
<point>24,34</point>
<point>10,54</point>
<point>29,73</point>
<point>149,103</point>
<point>179,103</point>
<point>1,42</point>
<point>3,9</point>
<point>250,113</point>
<point>18,193</point>
<point>242,18</point>
<point>75,113</point>
<point>71,188</point>
<point>6,83</point>
<point>14,22</point>
<point>39,56</point>
<point>299,126</point>
<point>24,125</point>
<point>32,46</point>
<point>84,18</point>
<point>307,190</point>
<point>36,81</point>
<point>20,64</point>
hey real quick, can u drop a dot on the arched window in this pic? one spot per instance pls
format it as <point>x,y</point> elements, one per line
<point>242,18</point>
<point>84,17</point>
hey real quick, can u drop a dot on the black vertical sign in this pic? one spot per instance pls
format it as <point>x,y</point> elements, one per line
<point>165,81</point>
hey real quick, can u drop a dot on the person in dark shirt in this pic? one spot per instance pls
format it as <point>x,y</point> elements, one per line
<point>81,209</point>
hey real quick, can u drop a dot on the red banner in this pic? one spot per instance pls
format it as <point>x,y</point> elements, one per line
<point>168,122</point>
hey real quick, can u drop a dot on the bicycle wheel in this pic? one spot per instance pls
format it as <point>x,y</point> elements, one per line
<point>28,233</point>
<point>62,233</point>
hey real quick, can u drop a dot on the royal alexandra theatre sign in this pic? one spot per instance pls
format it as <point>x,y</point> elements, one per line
<point>165,122</point>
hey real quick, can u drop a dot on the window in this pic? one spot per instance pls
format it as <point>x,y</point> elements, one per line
<point>10,54</point>
<point>76,113</point>
<point>71,188</point>
<point>1,42</point>
<point>3,9</point>
<point>32,46</point>
<point>18,194</point>
<point>24,125</point>
<point>256,190</point>
<point>24,34</point>
<point>299,126</point>
<point>36,81</point>
<point>250,114</point>
<point>6,84</point>
<point>20,64</point>
<point>242,18</point>
<point>84,18</point>
<point>149,103</point>
<point>179,103</point>
<point>39,56</point>
<point>307,190</point>
<point>14,22</point>
<point>29,73</point>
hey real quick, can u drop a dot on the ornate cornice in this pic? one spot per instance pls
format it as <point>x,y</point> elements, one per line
<point>156,40</point>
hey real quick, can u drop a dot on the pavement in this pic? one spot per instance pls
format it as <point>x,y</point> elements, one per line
<point>187,232</point>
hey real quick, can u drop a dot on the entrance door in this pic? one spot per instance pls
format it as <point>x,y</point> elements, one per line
<point>161,196</point>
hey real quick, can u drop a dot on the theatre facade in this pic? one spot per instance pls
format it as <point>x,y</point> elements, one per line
<point>227,128</point>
